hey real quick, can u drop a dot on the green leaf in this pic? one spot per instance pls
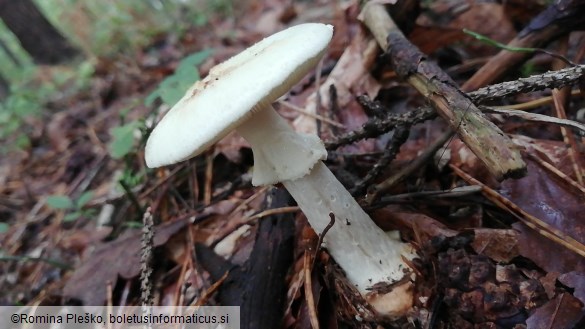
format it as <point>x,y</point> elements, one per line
<point>89,213</point>
<point>195,59</point>
<point>84,199</point>
<point>132,178</point>
<point>71,217</point>
<point>149,100</point>
<point>494,43</point>
<point>123,139</point>
<point>527,69</point>
<point>60,202</point>
<point>133,224</point>
<point>4,227</point>
<point>172,88</point>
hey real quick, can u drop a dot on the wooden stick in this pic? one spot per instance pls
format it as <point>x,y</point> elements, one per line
<point>501,157</point>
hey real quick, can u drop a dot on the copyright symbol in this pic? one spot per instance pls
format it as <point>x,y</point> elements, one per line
<point>15,318</point>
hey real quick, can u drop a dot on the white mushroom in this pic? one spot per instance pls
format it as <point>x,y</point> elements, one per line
<point>237,94</point>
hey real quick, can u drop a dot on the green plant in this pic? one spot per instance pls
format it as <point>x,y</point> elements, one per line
<point>173,87</point>
<point>131,178</point>
<point>123,139</point>
<point>110,27</point>
<point>133,224</point>
<point>75,208</point>
<point>6,258</point>
<point>528,69</point>
<point>28,98</point>
<point>16,62</point>
<point>4,227</point>
<point>19,105</point>
<point>496,44</point>
<point>222,7</point>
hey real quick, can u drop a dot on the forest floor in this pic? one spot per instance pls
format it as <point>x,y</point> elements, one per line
<point>491,252</point>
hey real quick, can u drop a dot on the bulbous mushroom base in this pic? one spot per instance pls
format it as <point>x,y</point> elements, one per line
<point>366,253</point>
<point>369,256</point>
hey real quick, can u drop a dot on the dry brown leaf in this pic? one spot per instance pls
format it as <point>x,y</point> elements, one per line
<point>575,280</point>
<point>560,313</point>
<point>230,146</point>
<point>488,19</point>
<point>118,257</point>
<point>539,249</point>
<point>350,77</point>
<point>80,239</point>
<point>499,245</point>
<point>430,38</point>
<point>541,194</point>
<point>390,217</point>
<point>549,283</point>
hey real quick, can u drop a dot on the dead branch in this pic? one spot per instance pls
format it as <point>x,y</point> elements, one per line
<point>485,139</point>
<point>554,79</point>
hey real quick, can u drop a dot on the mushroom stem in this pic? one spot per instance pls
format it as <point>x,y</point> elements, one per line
<point>363,250</point>
<point>366,253</point>
<point>280,153</point>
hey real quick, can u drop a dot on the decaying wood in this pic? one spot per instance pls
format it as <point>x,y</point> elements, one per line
<point>485,139</point>
<point>554,79</point>
<point>259,287</point>
<point>385,121</point>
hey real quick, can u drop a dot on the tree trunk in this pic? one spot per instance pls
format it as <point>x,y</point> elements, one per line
<point>4,88</point>
<point>36,34</point>
<point>15,60</point>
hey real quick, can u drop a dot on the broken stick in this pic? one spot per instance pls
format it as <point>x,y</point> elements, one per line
<point>484,139</point>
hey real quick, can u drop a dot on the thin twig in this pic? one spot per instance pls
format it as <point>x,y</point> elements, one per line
<point>406,171</point>
<point>146,258</point>
<point>308,270</point>
<point>209,292</point>
<point>536,117</point>
<point>457,193</point>
<point>531,221</point>
<point>561,175</point>
<point>378,126</point>
<point>375,127</point>
<point>309,297</point>
<point>393,146</point>
<point>325,230</point>
<point>554,79</point>
<point>495,150</point>
<point>560,97</point>
<point>322,236</point>
<point>533,103</point>
<point>131,195</point>
<point>316,116</point>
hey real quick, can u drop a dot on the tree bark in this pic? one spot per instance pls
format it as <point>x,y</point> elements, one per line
<point>4,88</point>
<point>259,286</point>
<point>36,34</point>
<point>15,60</point>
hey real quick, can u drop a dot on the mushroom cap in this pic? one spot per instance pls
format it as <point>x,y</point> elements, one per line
<point>234,90</point>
